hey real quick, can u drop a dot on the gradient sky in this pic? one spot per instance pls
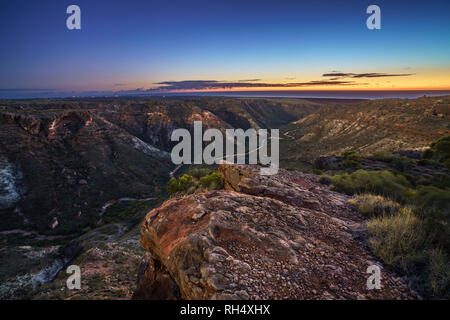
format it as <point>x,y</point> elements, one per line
<point>126,45</point>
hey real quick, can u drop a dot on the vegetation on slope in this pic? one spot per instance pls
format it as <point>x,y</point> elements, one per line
<point>367,127</point>
<point>407,203</point>
<point>198,180</point>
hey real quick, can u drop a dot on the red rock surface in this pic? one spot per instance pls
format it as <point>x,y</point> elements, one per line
<point>264,237</point>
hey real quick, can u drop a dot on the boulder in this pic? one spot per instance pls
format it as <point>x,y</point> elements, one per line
<point>264,237</point>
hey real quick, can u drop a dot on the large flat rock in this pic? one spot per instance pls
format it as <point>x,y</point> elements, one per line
<point>265,237</point>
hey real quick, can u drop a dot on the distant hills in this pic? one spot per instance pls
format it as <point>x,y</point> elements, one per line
<point>367,127</point>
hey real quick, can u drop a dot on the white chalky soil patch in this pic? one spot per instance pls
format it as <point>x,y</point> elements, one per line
<point>9,194</point>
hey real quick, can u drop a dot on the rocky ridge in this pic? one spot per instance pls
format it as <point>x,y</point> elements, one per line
<point>264,237</point>
<point>368,127</point>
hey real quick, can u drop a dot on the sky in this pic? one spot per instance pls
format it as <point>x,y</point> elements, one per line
<point>195,45</point>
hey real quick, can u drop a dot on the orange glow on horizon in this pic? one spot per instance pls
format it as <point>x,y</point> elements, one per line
<point>322,88</point>
<point>418,78</point>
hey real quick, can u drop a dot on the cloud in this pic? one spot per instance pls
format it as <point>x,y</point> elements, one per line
<point>215,84</point>
<point>323,83</point>
<point>333,78</point>
<point>23,89</point>
<point>249,80</point>
<point>337,75</point>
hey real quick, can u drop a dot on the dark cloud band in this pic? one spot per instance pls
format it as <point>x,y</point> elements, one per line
<point>336,75</point>
<point>214,84</point>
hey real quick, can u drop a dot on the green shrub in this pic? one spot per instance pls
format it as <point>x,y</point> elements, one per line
<point>172,185</point>
<point>398,239</point>
<point>317,171</point>
<point>431,196</point>
<point>441,148</point>
<point>200,172</point>
<point>352,155</point>
<point>212,181</point>
<point>383,156</point>
<point>439,273</point>
<point>446,164</point>
<point>439,151</point>
<point>427,154</point>
<point>383,183</point>
<point>402,163</point>
<point>188,184</point>
<point>348,163</point>
<point>325,179</point>
<point>425,162</point>
<point>422,181</point>
<point>372,205</point>
<point>444,182</point>
<point>350,159</point>
<point>433,206</point>
<point>180,184</point>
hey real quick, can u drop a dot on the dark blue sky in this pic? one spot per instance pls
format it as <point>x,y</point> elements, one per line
<point>134,44</point>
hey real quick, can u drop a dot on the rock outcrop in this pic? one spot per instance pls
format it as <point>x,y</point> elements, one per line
<point>264,237</point>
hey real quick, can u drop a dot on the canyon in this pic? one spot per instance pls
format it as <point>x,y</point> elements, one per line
<point>78,177</point>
